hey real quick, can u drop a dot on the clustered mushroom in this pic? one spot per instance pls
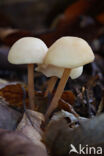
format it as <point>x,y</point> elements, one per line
<point>55,73</point>
<point>68,53</point>
<point>65,58</point>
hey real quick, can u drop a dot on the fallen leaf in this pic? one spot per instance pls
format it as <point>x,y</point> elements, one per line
<point>30,127</point>
<point>59,136</point>
<point>69,97</point>
<point>9,118</point>
<point>64,114</point>
<point>12,93</point>
<point>16,144</point>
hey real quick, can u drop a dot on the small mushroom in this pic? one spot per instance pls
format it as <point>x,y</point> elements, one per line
<point>67,53</point>
<point>28,50</point>
<point>50,71</point>
<point>55,73</point>
<point>76,72</point>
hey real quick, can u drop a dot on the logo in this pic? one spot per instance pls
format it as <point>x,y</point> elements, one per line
<point>85,150</point>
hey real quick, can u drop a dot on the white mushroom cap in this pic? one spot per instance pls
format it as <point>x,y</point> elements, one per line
<point>50,71</point>
<point>76,72</point>
<point>69,52</point>
<point>27,50</point>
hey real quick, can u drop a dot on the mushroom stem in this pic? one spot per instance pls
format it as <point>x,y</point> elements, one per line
<point>31,85</point>
<point>51,85</point>
<point>58,93</point>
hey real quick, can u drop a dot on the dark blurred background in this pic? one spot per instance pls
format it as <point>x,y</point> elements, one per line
<point>33,15</point>
<point>49,20</point>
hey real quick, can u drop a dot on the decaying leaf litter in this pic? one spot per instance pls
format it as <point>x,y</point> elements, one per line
<point>79,116</point>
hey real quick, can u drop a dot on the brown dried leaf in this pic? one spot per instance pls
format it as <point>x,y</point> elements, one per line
<point>12,93</point>
<point>36,120</point>
<point>67,107</point>
<point>32,129</point>
<point>17,144</point>
<point>69,97</point>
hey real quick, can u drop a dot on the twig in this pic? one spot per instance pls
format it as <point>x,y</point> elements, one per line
<point>88,104</point>
<point>101,105</point>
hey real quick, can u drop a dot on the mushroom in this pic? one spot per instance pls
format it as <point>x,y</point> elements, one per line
<point>28,50</point>
<point>67,53</point>
<point>55,73</point>
<point>76,72</point>
<point>50,71</point>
